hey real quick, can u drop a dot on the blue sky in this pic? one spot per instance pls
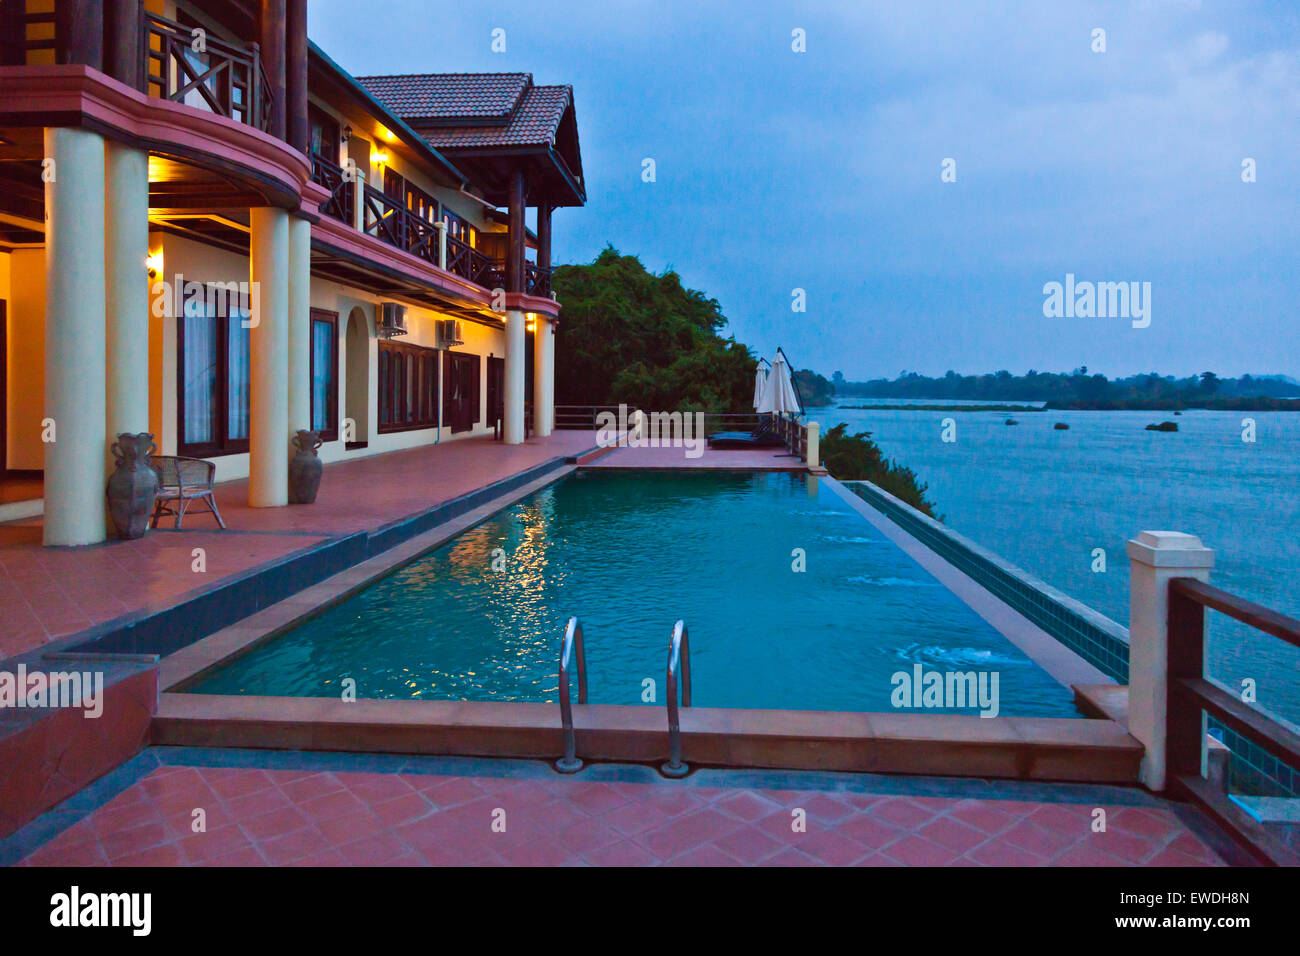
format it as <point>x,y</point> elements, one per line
<point>820,170</point>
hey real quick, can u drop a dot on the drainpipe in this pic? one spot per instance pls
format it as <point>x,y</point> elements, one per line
<point>482,202</point>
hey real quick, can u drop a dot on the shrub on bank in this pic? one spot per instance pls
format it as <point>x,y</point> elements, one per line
<point>858,458</point>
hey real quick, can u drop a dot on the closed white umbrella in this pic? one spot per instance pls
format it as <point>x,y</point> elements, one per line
<point>778,392</point>
<point>760,380</point>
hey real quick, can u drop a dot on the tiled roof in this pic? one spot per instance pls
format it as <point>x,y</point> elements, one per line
<point>446,96</point>
<point>474,109</point>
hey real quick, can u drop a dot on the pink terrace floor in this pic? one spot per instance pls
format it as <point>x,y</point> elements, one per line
<point>258,816</point>
<point>46,593</point>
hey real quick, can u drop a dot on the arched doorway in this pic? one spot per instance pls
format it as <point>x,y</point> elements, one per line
<point>357,395</point>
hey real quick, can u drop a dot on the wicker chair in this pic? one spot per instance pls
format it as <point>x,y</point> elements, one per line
<point>182,481</point>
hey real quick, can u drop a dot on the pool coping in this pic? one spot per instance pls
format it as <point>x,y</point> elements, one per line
<point>1079,749</point>
<point>1060,662</point>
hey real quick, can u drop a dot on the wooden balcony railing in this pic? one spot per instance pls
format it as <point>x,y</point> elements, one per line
<point>342,190</point>
<point>537,280</point>
<point>225,78</point>
<point>795,434</point>
<point>1190,694</point>
<point>471,264</point>
<point>24,31</point>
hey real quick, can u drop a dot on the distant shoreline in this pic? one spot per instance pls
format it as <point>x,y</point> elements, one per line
<point>1154,405</point>
<point>942,408</point>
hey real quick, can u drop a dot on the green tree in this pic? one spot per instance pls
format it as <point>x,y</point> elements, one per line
<point>627,335</point>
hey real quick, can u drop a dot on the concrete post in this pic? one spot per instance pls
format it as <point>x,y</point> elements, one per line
<point>268,459</point>
<point>814,445</point>
<point>513,419</point>
<point>359,201</point>
<point>1154,558</point>
<point>543,377</point>
<point>299,326</point>
<point>126,236</point>
<point>75,305</point>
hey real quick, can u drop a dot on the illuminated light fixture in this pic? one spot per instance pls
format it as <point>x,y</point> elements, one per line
<point>379,158</point>
<point>154,263</point>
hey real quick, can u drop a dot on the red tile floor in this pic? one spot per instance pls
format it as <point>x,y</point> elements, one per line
<point>46,593</point>
<point>259,816</point>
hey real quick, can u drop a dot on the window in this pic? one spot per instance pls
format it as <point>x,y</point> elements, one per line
<point>413,197</point>
<point>408,387</point>
<point>213,387</point>
<point>458,228</point>
<point>323,134</point>
<point>325,374</point>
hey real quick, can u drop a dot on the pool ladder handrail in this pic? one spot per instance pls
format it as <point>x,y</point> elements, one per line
<point>679,655</point>
<point>571,641</point>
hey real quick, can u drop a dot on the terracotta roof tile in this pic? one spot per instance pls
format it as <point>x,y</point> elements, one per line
<point>495,109</point>
<point>469,96</point>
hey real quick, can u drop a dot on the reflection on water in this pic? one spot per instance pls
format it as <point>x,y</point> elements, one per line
<point>481,617</point>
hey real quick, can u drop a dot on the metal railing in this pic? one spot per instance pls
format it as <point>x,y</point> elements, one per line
<point>679,655</point>
<point>1189,693</point>
<point>226,78</point>
<point>571,647</point>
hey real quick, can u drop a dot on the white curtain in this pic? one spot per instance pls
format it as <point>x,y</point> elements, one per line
<point>200,373</point>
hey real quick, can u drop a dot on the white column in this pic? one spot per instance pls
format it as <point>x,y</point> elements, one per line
<point>299,325</point>
<point>514,384</point>
<point>268,465</point>
<point>126,233</point>
<point>1154,558</point>
<point>75,304</point>
<point>543,376</point>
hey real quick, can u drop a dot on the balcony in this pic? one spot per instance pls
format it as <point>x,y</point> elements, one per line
<point>226,78</point>
<point>388,220</point>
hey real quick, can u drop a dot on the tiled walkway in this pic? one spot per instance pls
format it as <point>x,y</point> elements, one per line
<point>310,814</point>
<point>46,593</point>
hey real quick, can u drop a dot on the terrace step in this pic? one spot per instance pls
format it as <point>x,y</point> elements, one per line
<point>1024,748</point>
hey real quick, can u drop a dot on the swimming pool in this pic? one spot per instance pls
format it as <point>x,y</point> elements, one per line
<point>629,553</point>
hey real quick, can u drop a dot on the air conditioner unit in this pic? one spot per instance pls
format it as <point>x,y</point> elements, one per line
<point>450,332</point>
<point>392,319</point>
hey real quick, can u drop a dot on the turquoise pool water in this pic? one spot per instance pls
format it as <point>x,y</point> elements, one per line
<point>629,553</point>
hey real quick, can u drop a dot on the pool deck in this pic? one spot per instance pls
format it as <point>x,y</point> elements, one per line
<point>50,593</point>
<point>266,808</point>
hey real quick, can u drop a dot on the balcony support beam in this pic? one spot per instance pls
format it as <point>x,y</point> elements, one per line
<point>268,439</point>
<point>544,236</point>
<point>79,32</point>
<point>123,59</point>
<point>74,429</point>
<point>543,376</point>
<point>513,390</point>
<point>296,74</point>
<point>516,236</point>
<point>126,235</point>
<point>273,31</point>
<point>299,325</point>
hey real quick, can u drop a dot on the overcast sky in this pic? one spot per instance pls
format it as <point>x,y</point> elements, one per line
<point>778,170</point>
